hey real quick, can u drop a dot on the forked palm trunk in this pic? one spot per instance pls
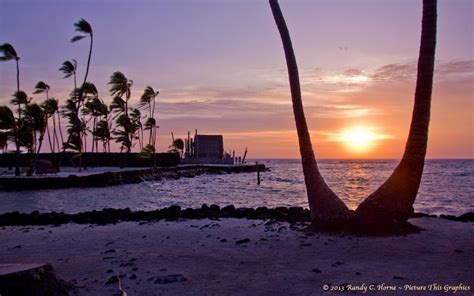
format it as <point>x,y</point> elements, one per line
<point>392,203</point>
<point>328,212</point>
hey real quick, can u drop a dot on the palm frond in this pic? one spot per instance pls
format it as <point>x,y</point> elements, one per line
<point>68,68</point>
<point>118,104</point>
<point>83,26</point>
<point>150,123</point>
<point>41,87</point>
<point>50,106</point>
<point>7,120</point>
<point>19,97</point>
<point>77,38</point>
<point>8,52</point>
<point>120,85</point>
<point>89,88</point>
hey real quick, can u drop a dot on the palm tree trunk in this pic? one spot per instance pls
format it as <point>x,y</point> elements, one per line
<point>154,128</point>
<point>17,151</point>
<point>93,134</point>
<point>151,135</point>
<point>89,59</point>
<point>51,145</point>
<point>327,210</point>
<point>55,135</point>
<point>40,143</point>
<point>154,136</point>
<point>392,203</point>
<point>69,136</point>
<point>142,137</point>
<point>60,129</point>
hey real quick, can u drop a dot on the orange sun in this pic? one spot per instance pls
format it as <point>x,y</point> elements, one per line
<point>359,139</point>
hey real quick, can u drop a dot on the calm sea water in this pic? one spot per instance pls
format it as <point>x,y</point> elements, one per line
<point>447,188</point>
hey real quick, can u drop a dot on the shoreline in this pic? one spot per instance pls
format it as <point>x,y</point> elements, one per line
<point>241,256</point>
<point>173,213</point>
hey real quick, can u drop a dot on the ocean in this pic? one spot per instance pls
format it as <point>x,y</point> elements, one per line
<point>447,188</point>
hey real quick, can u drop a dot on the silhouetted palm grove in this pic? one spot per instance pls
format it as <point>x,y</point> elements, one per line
<point>88,116</point>
<point>391,205</point>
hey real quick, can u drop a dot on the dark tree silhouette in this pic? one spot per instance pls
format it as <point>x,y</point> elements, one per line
<point>8,53</point>
<point>51,107</point>
<point>82,26</point>
<point>148,99</point>
<point>327,210</point>
<point>389,207</point>
<point>392,203</point>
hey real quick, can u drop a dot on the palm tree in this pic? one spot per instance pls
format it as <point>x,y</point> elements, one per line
<point>327,210</point>
<point>149,99</point>
<point>120,86</point>
<point>82,26</point>
<point>69,69</point>
<point>177,146</point>
<point>8,53</point>
<point>7,126</point>
<point>52,108</point>
<point>103,133</point>
<point>36,120</point>
<point>388,208</point>
<point>95,108</point>
<point>392,203</point>
<point>135,117</point>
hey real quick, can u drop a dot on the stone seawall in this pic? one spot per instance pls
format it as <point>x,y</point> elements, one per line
<point>120,177</point>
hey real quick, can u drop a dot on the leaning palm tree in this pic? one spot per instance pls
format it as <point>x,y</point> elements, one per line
<point>120,87</point>
<point>82,26</point>
<point>389,207</point>
<point>50,107</point>
<point>95,108</point>
<point>148,99</point>
<point>327,210</point>
<point>69,69</point>
<point>8,53</point>
<point>392,203</point>
<point>42,87</point>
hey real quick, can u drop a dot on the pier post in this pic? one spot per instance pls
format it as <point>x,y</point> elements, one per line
<point>258,174</point>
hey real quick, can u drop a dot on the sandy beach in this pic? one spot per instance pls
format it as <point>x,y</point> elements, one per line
<point>247,257</point>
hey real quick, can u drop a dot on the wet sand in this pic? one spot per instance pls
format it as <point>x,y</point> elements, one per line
<point>247,257</point>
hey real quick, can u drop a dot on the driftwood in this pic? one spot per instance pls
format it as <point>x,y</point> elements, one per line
<point>31,279</point>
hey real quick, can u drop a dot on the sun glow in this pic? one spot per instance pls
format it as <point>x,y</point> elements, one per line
<point>359,139</point>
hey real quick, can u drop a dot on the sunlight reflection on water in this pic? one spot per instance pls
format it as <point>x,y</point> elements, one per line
<point>447,188</point>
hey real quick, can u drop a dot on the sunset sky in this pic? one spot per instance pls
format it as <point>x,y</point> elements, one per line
<point>220,68</point>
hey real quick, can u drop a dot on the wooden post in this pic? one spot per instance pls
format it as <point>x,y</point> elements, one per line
<point>245,155</point>
<point>188,146</point>
<point>196,150</point>
<point>258,174</point>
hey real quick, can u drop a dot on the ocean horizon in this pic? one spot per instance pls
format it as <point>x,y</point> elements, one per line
<point>447,187</point>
